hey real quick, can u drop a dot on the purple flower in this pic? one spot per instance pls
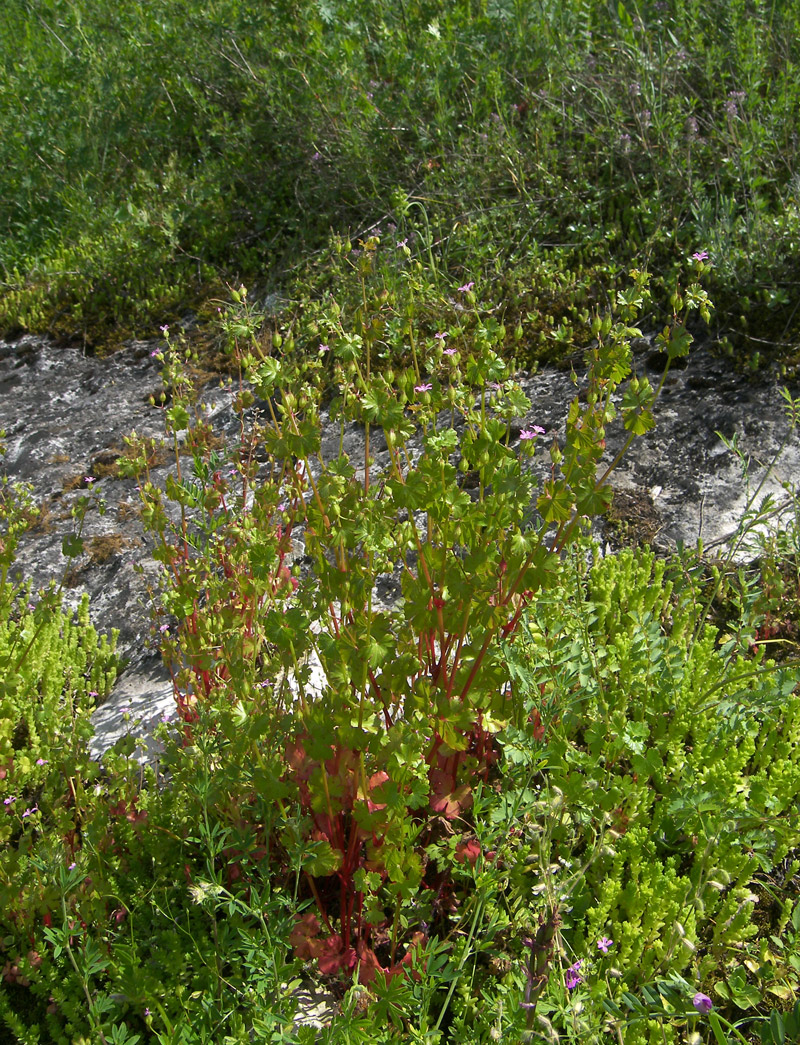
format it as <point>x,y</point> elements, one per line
<point>604,943</point>
<point>72,866</point>
<point>164,330</point>
<point>467,287</point>
<point>89,479</point>
<point>422,388</point>
<point>730,105</point>
<point>28,812</point>
<point>449,352</point>
<point>531,433</point>
<point>702,1003</point>
<point>324,348</point>
<point>163,628</point>
<point>41,761</point>
<point>573,975</point>
<point>9,800</point>
<point>700,255</point>
<point>440,336</point>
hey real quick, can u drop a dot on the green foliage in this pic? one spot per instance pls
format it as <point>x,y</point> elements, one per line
<point>150,152</point>
<point>413,698</point>
<point>533,796</point>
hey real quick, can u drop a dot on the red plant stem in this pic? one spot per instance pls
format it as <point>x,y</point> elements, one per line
<point>437,743</point>
<point>334,620</point>
<point>457,657</point>
<point>379,694</point>
<point>478,661</point>
<point>345,903</point>
<point>350,858</point>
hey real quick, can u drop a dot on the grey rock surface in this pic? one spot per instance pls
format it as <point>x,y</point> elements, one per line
<point>66,414</point>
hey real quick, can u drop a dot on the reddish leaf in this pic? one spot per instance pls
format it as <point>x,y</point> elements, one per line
<point>368,964</point>
<point>450,803</point>
<point>303,937</point>
<point>468,852</point>
<point>375,782</point>
<point>334,957</point>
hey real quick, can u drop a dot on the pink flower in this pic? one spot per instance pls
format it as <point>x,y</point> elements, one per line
<point>440,337</point>
<point>449,352</point>
<point>604,943</point>
<point>422,388</point>
<point>89,479</point>
<point>573,975</point>
<point>700,255</point>
<point>531,433</point>
<point>41,761</point>
<point>28,812</point>
<point>324,348</point>
<point>466,288</point>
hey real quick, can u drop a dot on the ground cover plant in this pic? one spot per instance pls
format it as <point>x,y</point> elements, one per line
<point>540,797</point>
<point>151,152</point>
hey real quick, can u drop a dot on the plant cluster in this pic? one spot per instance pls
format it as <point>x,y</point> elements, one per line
<point>149,153</point>
<point>535,796</point>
